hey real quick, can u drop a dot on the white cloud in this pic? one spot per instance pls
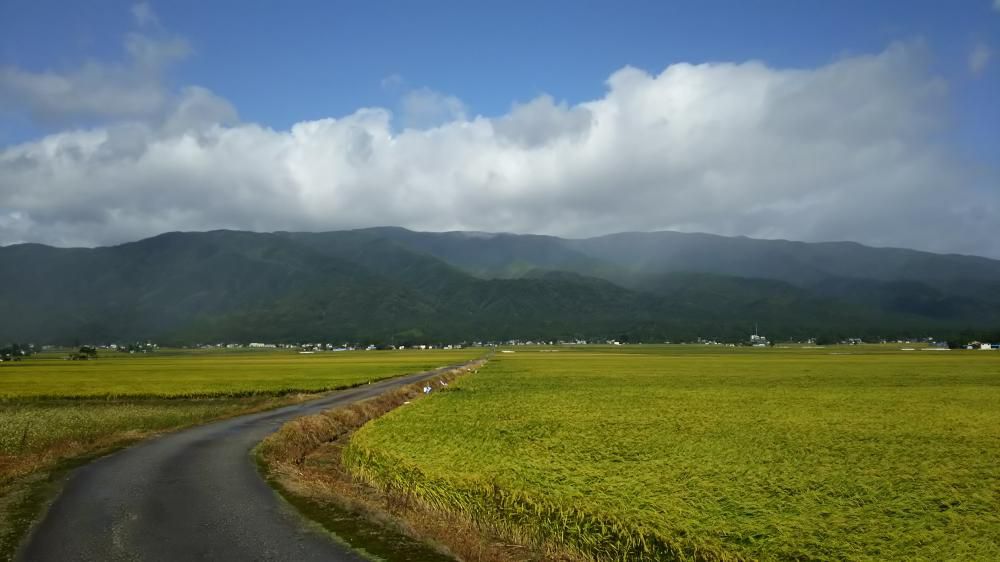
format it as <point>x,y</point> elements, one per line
<point>996,5</point>
<point>144,14</point>
<point>979,57</point>
<point>150,56</point>
<point>845,151</point>
<point>197,109</point>
<point>425,108</point>
<point>540,121</point>
<point>131,89</point>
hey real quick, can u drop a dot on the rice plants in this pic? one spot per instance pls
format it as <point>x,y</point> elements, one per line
<point>52,410</point>
<point>670,453</point>
<point>199,374</point>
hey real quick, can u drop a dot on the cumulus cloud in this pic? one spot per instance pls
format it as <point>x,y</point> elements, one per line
<point>541,120</point>
<point>424,108</point>
<point>848,150</point>
<point>131,89</point>
<point>979,57</point>
<point>197,109</point>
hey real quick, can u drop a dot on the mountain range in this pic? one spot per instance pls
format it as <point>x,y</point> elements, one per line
<point>383,285</point>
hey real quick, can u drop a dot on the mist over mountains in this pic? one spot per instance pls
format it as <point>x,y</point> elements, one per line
<point>391,284</point>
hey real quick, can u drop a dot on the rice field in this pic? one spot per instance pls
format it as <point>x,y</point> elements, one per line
<point>671,452</point>
<point>182,374</point>
<point>47,403</point>
<point>53,411</point>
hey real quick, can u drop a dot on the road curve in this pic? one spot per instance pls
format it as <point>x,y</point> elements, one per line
<point>190,495</point>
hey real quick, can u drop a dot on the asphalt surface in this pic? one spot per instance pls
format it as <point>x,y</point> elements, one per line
<point>190,495</point>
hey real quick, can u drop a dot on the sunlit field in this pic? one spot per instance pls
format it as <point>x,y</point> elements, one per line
<point>646,452</point>
<point>52,410</point>
<point>186,374</point>
<point>47,401</point>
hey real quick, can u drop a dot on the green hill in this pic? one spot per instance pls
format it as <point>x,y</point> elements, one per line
<point>393,285</point>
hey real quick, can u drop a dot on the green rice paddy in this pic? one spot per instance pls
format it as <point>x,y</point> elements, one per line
<point>708,453</point>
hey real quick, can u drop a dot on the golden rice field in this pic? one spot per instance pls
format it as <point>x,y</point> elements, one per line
<point>47,402</point>
<point>651,453</point>
<point>181,374</point>
<point>53,410</point>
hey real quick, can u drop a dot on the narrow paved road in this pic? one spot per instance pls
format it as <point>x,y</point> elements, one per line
<point>190,495</point>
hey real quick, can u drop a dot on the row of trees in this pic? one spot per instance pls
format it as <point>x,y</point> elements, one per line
<point>16,351</point>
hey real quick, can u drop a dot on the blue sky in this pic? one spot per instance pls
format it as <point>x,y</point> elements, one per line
<point>312,59</point>
<point>430,68</point>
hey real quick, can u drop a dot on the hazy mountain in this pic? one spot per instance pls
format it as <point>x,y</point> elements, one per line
<point>889,280</point>
<point>391,284</point>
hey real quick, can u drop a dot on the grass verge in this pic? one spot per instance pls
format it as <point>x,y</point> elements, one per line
<point>56,414</point>
<point>302,461</point>
<point>42,441</point>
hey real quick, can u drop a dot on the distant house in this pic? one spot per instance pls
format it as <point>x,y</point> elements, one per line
<point>757,340</point>
<point>985,346</point>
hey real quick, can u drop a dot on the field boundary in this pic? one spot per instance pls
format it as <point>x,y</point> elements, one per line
<point>32,476</point>
<point>553,531</point>
<point>25,495</point>
<point>313,462</point>
<point>302,461</point>
<point>220,395</point>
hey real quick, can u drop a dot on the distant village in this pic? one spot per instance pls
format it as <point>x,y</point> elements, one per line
<point>15,352</point>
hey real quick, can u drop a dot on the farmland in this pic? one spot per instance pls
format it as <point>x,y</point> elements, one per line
<point>182,374</point>
<point>54,411</point>
<point>709,453</point>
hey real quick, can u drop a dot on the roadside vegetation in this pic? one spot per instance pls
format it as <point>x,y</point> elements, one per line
<point>652,452</point>
<point>55,413</point>
<point>302,461</point>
